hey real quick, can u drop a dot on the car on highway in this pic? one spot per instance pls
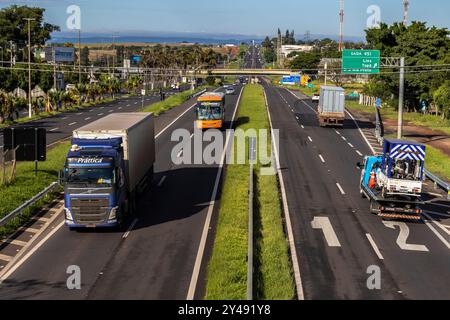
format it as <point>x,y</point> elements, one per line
<point>315,97</point>
<point>230,90</point>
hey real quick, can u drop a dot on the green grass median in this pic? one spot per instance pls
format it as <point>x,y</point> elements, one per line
<point>227,269</point>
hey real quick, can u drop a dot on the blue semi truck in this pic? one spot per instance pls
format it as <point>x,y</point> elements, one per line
<point>109,163</point>
<point>393,181</point>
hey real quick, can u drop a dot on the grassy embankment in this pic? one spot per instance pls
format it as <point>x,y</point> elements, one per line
<point>27,184</point>
<point>227,269</point>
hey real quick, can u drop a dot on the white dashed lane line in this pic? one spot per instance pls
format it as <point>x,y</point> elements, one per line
<point>73,123</point>
<point>359,153</point>
<point>54,129</point>
<point>309,138</point>
<point>321,158</point>
<point>340,189</point>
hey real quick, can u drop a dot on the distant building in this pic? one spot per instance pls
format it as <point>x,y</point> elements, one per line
<point>288,49</point>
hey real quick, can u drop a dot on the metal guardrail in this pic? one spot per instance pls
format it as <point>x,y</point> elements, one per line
<point>438,182</point>
<point>198,93</point>
<point>252,159</point>
<point>14,214</point>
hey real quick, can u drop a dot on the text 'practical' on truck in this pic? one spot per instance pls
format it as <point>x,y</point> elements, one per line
<point>111,161</point>
<point>393,181</point>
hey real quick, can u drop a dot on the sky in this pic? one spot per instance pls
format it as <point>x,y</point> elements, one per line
<point>245,17</point>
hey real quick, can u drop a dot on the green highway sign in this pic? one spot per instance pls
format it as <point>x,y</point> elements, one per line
<point>361,61</point>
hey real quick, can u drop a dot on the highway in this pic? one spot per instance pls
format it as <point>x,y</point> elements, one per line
<point>336,237</point>
<point>164,251</point>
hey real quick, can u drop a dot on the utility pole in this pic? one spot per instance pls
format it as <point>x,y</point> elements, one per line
<point>401,97</point>
<point>12,53</point>
<point>114,55</point>
<point>326,70</point>
<point>405,12</point>
<point>29,66</point>
<point>341,26</point>
<point>54,68</point>
<point>79,56</point>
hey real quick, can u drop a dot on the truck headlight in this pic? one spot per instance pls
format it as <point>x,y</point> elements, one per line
<point>68,214</point>
<point>113,214</point>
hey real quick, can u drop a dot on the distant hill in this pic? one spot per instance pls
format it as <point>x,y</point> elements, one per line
<point>171,37</point>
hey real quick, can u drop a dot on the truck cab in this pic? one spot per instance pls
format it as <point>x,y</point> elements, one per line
<point>94,183</point>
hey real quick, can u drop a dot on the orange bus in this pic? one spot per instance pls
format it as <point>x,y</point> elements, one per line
<point>210,110</point>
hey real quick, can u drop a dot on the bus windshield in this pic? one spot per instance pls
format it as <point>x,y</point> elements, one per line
<point>209,111</point>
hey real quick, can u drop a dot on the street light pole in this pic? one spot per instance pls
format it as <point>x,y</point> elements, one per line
<point>401,97</point>
<point>29,66</point>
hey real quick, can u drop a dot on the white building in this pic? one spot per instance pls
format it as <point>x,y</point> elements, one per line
<point>287,49</point>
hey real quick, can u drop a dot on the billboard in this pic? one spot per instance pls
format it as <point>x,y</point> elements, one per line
<point>62,54</point>
<point>31,143</point>
<point>291,80</point>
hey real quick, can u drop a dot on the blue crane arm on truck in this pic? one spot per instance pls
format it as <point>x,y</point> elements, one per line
<point>393,181</point>
<point>110,161</point>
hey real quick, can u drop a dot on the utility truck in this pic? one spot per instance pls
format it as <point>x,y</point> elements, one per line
<point>393,181</point>
<point>110,162</point>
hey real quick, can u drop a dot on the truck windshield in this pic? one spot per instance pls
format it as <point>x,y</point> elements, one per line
<point>91,176</point>
<point>210,111</point>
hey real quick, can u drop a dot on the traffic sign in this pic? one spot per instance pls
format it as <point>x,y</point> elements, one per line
<point>361,61</point>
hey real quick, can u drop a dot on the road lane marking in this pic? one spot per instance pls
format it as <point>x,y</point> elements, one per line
<point>287,214</point>
<point>310,139</point>
<point>440,237</point>
<point>100,114</point>
<point>5,257</point>
<point>54,129</point>
<point>71,124</point>
<point>180,153</point>
<point>64,118</point>
<point>403,237</point>
<point>441,226</point>
<point>321,158</point>
<point>79,114</point>
<point>374,246</point>
<point>206,227</point>
<point>303,127</point>
<point>119,108</point>
<point>162,181</point>
<point>130,229</point>
<point>359,153</point>
<point>297,118</point>
<point>344,138</point>
<point>111,111</point>
<point>337,132</point>
<point>30,253</point>
<point>361,132</point>
<point>351,146</point>
<point>88,118</point>
<point>340,189</point>
<point>324,224</point>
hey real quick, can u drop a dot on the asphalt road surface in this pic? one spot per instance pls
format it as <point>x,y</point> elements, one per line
<point>337,240</point>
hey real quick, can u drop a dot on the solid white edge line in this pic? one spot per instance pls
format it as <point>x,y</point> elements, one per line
<point>298,98</point>
<point>361,132</point>
<point>130,228</point>
<point>30,253</point>
<point>202,245</point>
<point>433,229</point>
<point>294,257</point>
<point>374,246</point>
<point>441,226</point>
